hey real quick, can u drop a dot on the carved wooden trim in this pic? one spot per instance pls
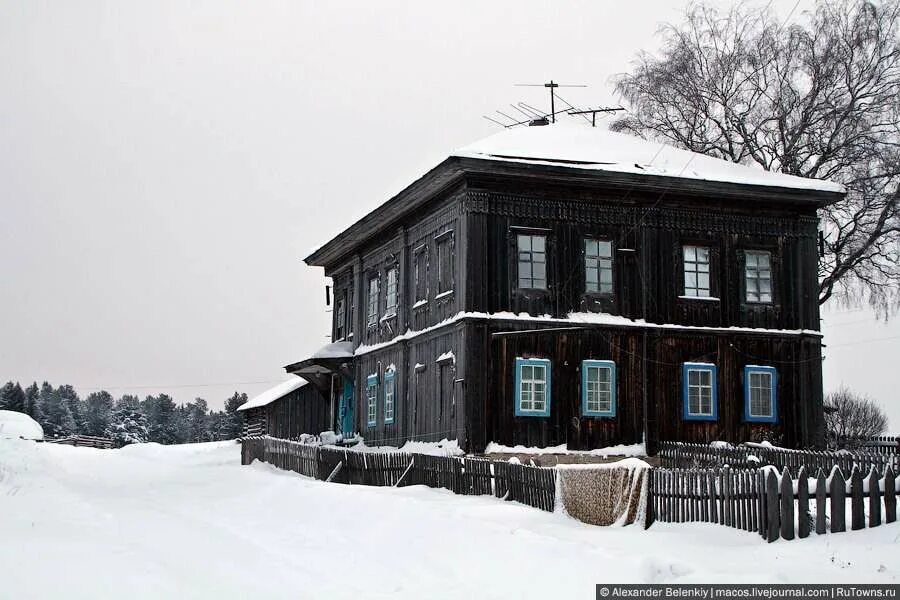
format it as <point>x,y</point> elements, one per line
<point>693,220</point>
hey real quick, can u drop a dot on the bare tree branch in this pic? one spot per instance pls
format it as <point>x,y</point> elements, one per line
<point>820,100</point>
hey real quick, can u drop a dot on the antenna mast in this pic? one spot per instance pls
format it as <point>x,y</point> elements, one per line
<point>552,85</point>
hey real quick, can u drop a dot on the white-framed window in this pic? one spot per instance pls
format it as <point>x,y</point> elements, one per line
<point>532,387</point>
<point>598,270</point>
<point>598,388</point>
<point>372,303</point>
<point>390,387</point>
<point>758,276</point>
<point>532,261</point>
<point>391,292</point>
<point>699,391</point>
<point>760,394</point>
<point>696,271</point>
<point>372,400</point>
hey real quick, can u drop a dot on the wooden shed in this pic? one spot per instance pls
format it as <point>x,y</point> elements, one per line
<point>288,410</point>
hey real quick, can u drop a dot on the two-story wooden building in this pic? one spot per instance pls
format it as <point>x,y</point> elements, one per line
<point>564,284</point>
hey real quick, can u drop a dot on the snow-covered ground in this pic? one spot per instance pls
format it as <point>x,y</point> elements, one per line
<point>188,521</point>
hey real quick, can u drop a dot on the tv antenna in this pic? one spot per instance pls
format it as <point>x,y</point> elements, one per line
<point>593,112</point>
<point>552,85</point>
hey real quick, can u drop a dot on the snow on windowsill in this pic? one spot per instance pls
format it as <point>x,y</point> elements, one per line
<point>705,298</point>
<point>444,294</point>
<point>420,303</point>
<point>388,317</point>
<point>446,356</point>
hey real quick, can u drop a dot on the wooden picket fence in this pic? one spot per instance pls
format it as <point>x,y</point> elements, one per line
<point>534,486</point>
<point>86,441</point>
<point>772,504</point>
<point>749,456</point>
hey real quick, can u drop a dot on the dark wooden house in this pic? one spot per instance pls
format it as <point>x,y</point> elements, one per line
<point>564,284</point>
<point>288,410</point>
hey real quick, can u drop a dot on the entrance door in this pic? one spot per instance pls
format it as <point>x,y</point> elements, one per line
<point>347,408</point>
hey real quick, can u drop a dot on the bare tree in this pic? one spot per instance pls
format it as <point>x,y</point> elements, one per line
<point>819,99</point>
<point>850,418</point>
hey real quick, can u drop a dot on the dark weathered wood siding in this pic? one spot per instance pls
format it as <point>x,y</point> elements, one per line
<point>479,205</point>
<point>428,404</point>
<point>647,241</point>
<point>304,410</point>
<point>499,343</point>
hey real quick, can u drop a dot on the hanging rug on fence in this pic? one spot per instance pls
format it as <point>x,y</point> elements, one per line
<point>605,494</point>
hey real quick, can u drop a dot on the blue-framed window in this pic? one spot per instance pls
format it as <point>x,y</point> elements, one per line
<point>760,396</point>
<point>532,387</point>
<point>390,388</point>
<point>699,392</point>
<point>598,388</point>
<point>372,400</point>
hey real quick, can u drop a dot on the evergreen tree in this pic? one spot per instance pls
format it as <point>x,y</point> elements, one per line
<point>33,403</point>
<point>161,415</point>
<point>98,407</point>
<point>129,402</point>
<point>12,397</point>
<point>58,421</point>
<point>127,426</point>
<point>233,421</point>
<point>197,421</point>
<point>70,398</point>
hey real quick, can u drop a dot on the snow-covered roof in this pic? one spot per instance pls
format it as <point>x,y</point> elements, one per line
<point>335,350</point>
<point>594,148</point>
<point>273,394</point>
<point>19,425</point>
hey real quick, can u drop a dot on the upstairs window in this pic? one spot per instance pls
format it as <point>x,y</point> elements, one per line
<point>445,263</point>
<point>598,388</point>
<point>696,272</point>
<point>420,274</point>
<point>532,250</point>
<point>699,392</point>
<point>390,387</point>
<point>340,318</point>
<point>758,276</point>
<point>372,305</point>
<point>598,266</point>
<point>759,394</point>
<point>390,296</point>
<point>371,400</point>
<point>532,387</point>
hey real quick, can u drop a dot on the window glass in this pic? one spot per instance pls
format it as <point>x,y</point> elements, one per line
<point>532,261</point>
<point>598,266</point>
<point>758,276</point>
<point>696,271</point>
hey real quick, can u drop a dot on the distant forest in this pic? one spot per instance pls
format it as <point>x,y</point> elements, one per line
<point>128,419</point>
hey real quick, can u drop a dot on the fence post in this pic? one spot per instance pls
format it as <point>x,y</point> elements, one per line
<point>857,514</point>
<point>874,499</point>
<point>838,501</point>
<point>890,496</point>
<point>802,503</point>
<point>787,505</point>
<point>821,500</point>
<point>772,505</point>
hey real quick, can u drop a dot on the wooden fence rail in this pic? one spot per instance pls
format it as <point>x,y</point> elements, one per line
<point>776,505</point>
<point>87,441</point>
<point>534,486</point>
<point>748,456</point>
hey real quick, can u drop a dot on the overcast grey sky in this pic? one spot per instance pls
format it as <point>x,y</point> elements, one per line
<point>165,166</point>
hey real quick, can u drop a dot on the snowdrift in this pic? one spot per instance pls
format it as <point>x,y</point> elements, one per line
<point>19,425</point>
